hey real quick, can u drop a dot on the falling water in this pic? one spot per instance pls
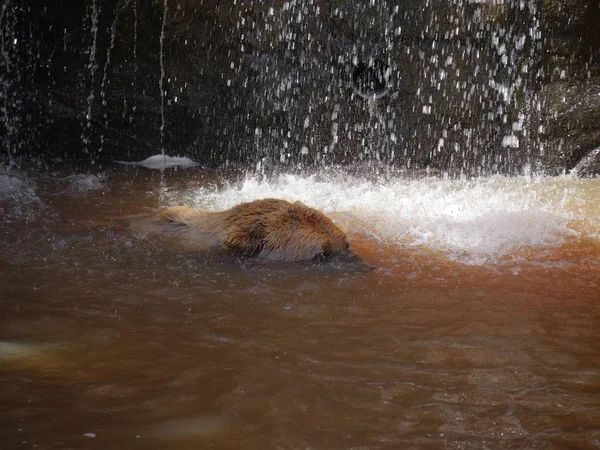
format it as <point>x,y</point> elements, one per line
<point>6,70</point>
<point>135,27</point>
<point>113,32</point>
<point>134,81</point>
<point>92,66</point>
<point>9,76</point>
<point>162,79</point>
<point>454,98</point>
<point>461,95</point>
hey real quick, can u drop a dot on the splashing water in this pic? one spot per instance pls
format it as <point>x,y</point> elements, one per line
<point>17,190</point>
<point>477,222</point>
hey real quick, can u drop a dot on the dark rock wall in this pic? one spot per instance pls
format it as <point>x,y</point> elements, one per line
<point>570,86</point>
<point>474,87</point>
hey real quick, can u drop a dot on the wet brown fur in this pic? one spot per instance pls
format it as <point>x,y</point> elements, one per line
<point>271,228</point>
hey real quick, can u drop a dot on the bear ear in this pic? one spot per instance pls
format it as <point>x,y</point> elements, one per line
<point>296,207</point>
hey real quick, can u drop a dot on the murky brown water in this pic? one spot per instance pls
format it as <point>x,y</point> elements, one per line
<point>109,340</point>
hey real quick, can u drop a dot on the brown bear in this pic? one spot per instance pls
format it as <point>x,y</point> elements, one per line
<point>271,229</point>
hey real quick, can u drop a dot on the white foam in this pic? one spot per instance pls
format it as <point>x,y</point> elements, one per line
<point>17,187</point>
<point>18,196</point>
<point>160,162</point>
<point>83,183</point>
<point>473,221</point>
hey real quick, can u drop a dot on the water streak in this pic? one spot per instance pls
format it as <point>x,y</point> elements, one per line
<point>85,137</point>
<point>162,79</point>
<point>113,32</point>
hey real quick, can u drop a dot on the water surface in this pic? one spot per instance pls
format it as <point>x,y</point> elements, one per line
<point>473,320</point>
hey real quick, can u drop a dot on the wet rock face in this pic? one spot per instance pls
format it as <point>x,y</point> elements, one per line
<point>571,120</point>
<point>571,30</point>
<point>570,85</point>
<point>589,165</point>
<point>458,87</point>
